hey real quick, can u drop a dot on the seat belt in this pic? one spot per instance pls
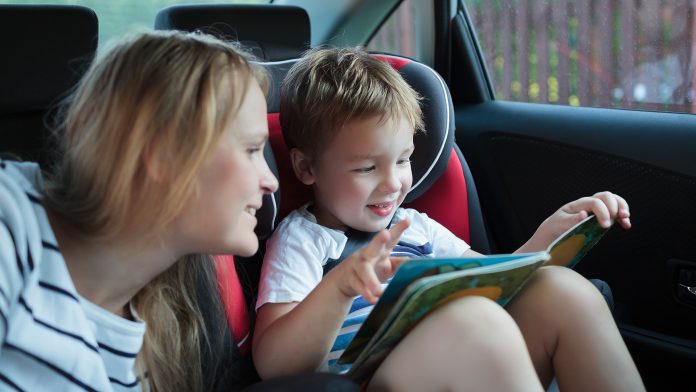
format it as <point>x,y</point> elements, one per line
<point>356,239</point>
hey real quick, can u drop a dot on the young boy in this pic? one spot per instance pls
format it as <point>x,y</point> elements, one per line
<point>349,121</point>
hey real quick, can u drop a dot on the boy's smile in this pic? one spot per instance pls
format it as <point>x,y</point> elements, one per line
<point>363,175</point>
<point>382,209</point>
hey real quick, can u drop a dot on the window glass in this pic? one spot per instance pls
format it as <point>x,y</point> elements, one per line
<point>603,53</point>
<point>408,31</point>
<point>117,17</point>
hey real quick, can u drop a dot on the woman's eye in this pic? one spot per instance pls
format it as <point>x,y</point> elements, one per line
<point>253,150</point>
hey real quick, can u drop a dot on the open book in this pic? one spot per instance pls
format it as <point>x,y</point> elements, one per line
<point>421,285</point>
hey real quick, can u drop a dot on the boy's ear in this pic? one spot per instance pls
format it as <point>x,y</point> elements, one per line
<point>302,166</point>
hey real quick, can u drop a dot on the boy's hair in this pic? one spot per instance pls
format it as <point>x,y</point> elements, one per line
<point>329,87</point>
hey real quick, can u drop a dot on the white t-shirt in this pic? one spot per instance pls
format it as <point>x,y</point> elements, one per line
<point>299,248</point>
<point>52,338</point>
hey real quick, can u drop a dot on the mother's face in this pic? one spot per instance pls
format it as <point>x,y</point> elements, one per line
<point>221,217</point>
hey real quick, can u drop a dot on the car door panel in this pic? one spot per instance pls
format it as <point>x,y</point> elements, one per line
<point>529,159</point>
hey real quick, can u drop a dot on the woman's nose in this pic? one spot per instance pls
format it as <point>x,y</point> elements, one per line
<point>269,182</point>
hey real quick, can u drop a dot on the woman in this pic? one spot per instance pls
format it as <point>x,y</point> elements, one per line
<point>114,239</point>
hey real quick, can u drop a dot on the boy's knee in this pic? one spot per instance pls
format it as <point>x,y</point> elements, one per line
<point>474,314</point>
<point>476,328</point>
<point>567,286</point>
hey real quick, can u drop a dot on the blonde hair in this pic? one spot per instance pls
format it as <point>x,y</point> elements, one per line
<point>329,87</point>
<point>159,96</point>
<point>135,134</point>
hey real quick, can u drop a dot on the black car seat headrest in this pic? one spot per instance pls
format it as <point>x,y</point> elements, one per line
<point>45,51</point>
<point>272,32</point>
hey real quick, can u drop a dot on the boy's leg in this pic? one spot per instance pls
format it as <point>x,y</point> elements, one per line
<point>468,344</point>
<point>570,331</point>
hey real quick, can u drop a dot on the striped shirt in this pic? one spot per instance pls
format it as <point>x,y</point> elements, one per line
<point>300,247</point>
<point>52,338</point>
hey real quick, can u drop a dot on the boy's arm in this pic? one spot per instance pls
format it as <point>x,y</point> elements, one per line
<point>295,337</point>
<point>606,206</point>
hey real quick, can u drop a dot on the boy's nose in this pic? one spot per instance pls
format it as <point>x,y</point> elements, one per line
<point>390,183</point>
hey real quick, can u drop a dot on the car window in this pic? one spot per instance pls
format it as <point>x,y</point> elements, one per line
<point>408,31</point>
<point>601,53</point>
<point>117,17</point>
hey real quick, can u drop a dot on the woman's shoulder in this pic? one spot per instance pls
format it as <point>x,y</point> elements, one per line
<point>21,187</point>
<point>26,175</point>
<point>24,222</point>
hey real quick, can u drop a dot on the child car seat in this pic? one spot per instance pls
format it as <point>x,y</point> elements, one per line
<point>442,185</point>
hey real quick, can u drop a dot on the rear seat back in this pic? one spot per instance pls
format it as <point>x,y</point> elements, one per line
<point>45,51</point>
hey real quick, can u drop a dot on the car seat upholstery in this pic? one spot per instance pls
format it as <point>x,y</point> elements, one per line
<point>46,49</point>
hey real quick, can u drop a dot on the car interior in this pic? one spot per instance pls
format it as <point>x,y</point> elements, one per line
<point>488,169</point>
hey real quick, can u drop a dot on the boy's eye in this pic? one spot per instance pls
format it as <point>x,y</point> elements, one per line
<point>404,161</point>
<point>365,169</point>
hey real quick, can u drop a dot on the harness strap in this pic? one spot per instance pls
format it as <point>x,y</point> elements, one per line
<point>356,240</point>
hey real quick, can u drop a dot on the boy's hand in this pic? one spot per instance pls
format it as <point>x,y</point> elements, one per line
<point>363,271</point>
<point>606,207</point>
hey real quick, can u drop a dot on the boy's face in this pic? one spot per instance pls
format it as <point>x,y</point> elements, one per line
<point>363,175</point>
